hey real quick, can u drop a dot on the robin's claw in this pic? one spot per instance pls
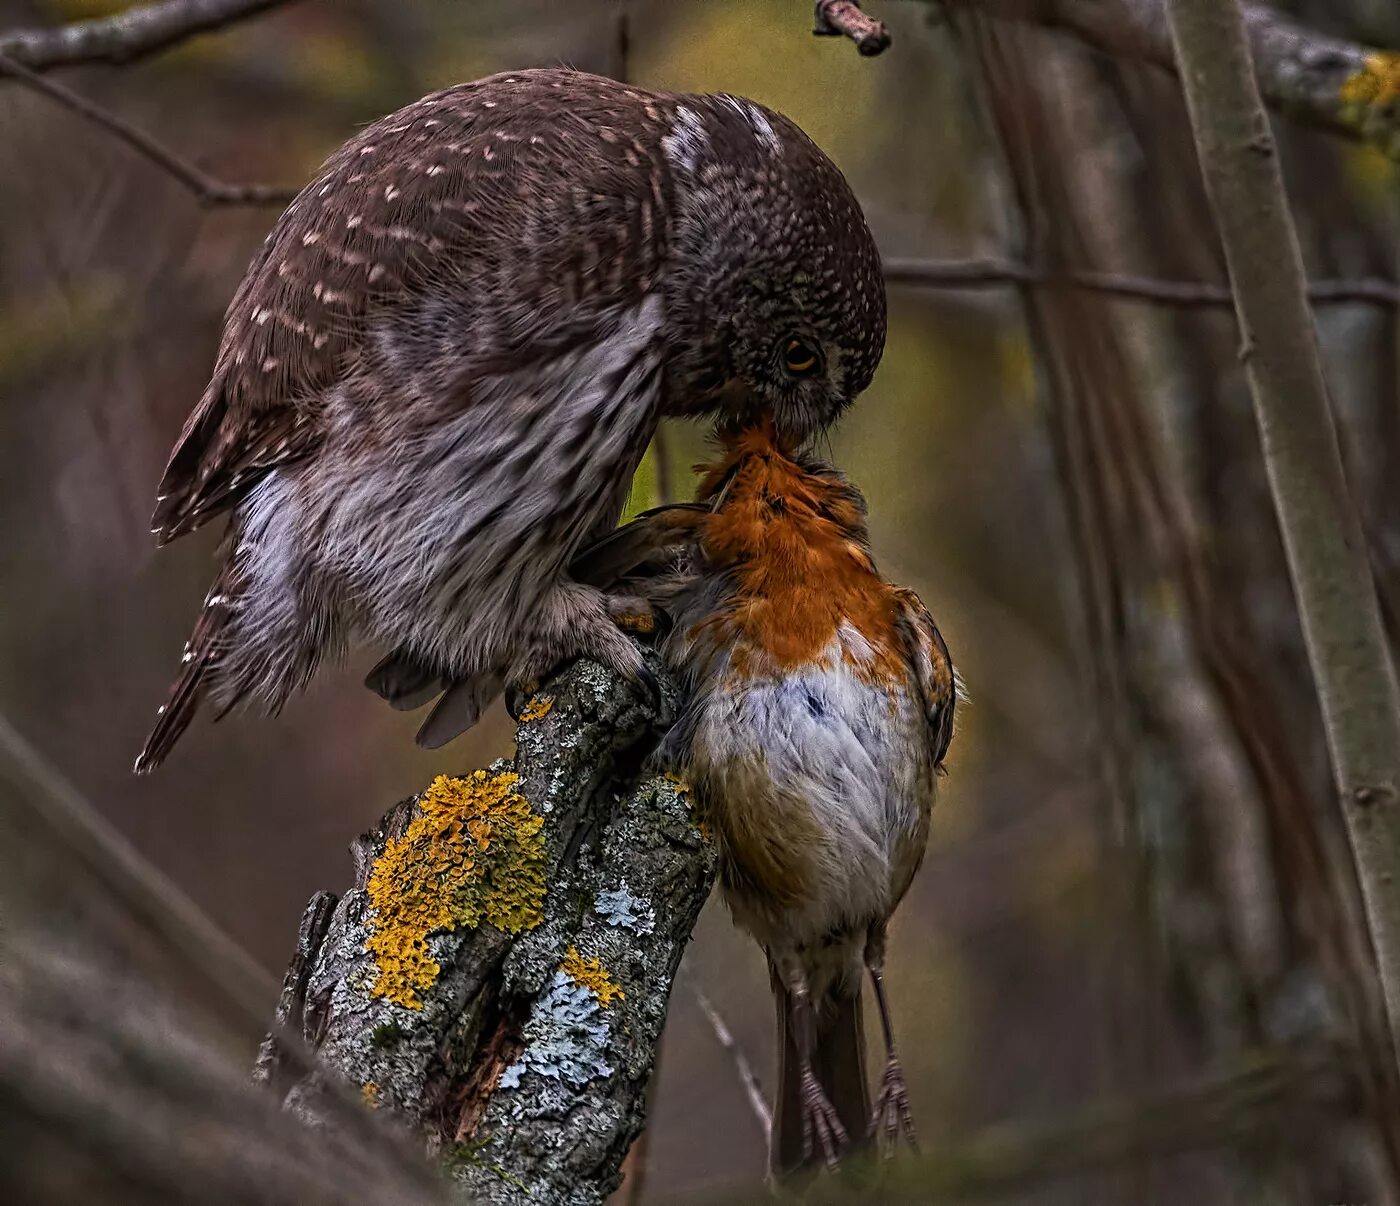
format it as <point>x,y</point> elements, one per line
<point>820,1125</point>
<point>891,1120</point>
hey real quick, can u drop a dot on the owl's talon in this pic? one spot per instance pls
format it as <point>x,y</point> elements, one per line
<point>649,685</point>
<point>641,623</point>
<point>518,696</point>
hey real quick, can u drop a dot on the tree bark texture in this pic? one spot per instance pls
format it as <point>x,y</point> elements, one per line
<point>1322,533</point>
<point>498,976</point>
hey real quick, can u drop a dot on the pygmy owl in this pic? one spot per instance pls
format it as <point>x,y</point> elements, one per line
<point>439,374</point>
<point>821,707</point>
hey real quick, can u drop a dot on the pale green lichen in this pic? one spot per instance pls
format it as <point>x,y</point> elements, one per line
<point>475,853</point>
<point>566,1034</point>
<point>1376,82</point>
<point>626,911</point>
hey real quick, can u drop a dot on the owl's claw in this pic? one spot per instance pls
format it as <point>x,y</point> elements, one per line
<point>518,696</point>
<point>649,685</point>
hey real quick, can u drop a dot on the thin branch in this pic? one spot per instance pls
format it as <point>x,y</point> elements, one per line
<point>844,19</point>
<point>752,1089</point>
<point>1322,534</point>
<point>208,190</point>
<point>991,273</point>
<point>1342,86</point>
<point>126,36</point>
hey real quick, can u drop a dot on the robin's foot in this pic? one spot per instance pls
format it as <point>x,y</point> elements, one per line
<point>891,1120</point>
<point>821,1128</point>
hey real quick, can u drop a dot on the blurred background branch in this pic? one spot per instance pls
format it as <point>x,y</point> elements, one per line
<point>1338,84</point>
<point>1322,532</point>
<point>972,274</point>
<point>140,30</point>
<point>207,189</point>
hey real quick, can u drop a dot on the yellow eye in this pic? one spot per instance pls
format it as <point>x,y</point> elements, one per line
<point>800,357</point>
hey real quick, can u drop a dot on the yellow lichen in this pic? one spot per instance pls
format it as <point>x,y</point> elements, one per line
<point>369,1093</point>
<point>592,975</point>
<point>1377,82</point>
<point>474,854</point>
<point>537,708</point>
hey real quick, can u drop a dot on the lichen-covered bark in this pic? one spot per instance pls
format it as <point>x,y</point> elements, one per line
<point>518,1038</point>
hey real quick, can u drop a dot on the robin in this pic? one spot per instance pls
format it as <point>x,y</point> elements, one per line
<point>821,702</point>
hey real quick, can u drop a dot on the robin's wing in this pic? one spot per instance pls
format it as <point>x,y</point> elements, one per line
<point>474,231</point>
<point>611,558</point>
<point>933,668</point>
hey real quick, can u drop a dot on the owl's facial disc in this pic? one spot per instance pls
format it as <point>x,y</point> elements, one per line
<point>793,379</point>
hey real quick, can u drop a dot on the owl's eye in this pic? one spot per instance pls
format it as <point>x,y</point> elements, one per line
<point>800,358</point>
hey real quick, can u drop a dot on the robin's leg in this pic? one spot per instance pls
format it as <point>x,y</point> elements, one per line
<point>821,1128</point>
<point>891,1119</point>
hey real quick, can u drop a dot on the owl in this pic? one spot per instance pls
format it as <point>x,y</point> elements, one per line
<point>439,374</point>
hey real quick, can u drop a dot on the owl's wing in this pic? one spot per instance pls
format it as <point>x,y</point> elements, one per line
<point>624,549</point>
<point>932,665</point>
<point>479,229</point>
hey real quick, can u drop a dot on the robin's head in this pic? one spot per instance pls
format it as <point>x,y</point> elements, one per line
<point>776,290</point>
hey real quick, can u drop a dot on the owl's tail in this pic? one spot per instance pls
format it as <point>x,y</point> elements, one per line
<point>838,1061</point>
<point>201,655</point>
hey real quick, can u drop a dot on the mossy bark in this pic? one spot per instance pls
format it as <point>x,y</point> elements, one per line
<point>525,1071</point>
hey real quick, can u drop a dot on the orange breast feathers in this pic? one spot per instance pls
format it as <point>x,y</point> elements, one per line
<point>793,540</point>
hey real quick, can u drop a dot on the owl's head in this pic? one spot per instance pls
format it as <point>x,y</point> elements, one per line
<point>776,299</point>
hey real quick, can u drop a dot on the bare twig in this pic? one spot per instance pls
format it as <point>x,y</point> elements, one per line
<point>844,19</point>
<point>208,190</point>
<point>1317,516</point>
<point>127,35</point>
<point>1343,86</point>
<point>991,273</point>
<point>752,1089</point>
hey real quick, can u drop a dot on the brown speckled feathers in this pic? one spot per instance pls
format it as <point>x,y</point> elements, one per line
<point>458,189</point>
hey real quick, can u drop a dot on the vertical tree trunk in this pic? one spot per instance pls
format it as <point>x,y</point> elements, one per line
<point>1322,533</point>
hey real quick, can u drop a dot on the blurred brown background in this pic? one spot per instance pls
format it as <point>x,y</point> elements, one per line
<point>1137,870</point>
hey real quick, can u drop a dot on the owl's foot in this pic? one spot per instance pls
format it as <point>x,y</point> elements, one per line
<point>636,615</point>
<point>891,1120</point>
<point>821,1128</point>
<point>579,621</point>
<point>519,696</point>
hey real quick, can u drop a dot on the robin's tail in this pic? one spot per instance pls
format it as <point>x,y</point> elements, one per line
<point>838,1060</point>
<point>201,654</point>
